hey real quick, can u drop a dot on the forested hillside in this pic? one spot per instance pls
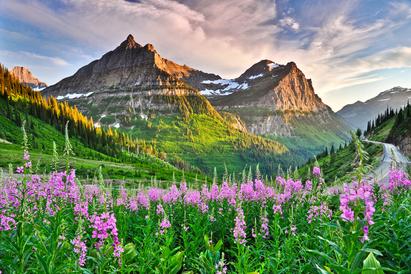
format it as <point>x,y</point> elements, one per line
<point>119,154</point>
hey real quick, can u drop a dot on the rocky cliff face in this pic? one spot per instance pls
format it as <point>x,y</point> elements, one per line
<point>25,76</point>
<point>272,99</point>
<point>358,114</point>
<point>133,80</point>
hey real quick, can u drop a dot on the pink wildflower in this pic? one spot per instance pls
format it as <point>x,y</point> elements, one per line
<point>20,170</point>
<point>239,227</point>
<point>164,225</point>
<point>80,248</point>
<point>277,209</point>
<point>316,171</point>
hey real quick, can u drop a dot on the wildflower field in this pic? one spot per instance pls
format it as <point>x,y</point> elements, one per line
<point>54,224</point>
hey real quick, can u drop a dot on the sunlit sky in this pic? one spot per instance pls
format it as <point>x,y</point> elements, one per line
<point>352,50</point>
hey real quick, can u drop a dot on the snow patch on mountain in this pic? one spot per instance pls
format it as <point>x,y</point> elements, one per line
<point>211,92</point>
<point>71,96</point>
<point>256,76</point>
<point>272,66</point>
<point>228,86</point>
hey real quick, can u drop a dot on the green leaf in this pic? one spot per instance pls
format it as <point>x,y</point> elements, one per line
<point>218,245</point>
<point>322,270</point>
<point>371,265</point>
<point>372,250</point>
<point>130,251</point>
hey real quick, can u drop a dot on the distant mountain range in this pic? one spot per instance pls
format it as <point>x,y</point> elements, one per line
<point>358,114</point>
<point>25,76</point>
<point>196,115</point>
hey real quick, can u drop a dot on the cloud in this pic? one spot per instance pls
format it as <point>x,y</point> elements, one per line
<point>29,57</point>
<point>331,41</point>
<point>290,23</point>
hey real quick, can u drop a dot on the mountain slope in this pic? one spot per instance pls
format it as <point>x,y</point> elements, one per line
<point>135,89</point>
<point>45,122</point>
<point>278,102</point>
<point>358,114</point>
<point>25,76</point>
<point>400,134</point>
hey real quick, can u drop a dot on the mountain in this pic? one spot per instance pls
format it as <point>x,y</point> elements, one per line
<point>358,114</point>
<point>155,99</point>
<point>25,76</point>
<point>132,79</point>
<point>277,101</point>
<point>117,155</point>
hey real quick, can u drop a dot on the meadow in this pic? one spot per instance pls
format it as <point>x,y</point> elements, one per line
<point>56,224</point>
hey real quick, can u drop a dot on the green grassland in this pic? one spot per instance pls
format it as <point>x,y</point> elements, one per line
<point>86,161</point>
<point>382,132</point>
<point>206,142</point>
<point>309,140</point>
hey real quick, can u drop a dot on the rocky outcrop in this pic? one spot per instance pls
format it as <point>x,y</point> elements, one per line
<point>271,98</point>
<point>25,76</point>
<point>133,79</point>
<point>405,145</point>
<point>359,113</point>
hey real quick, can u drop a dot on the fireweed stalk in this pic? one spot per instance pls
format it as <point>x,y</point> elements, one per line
<point>354,193</point>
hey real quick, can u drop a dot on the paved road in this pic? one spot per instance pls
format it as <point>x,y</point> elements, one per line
<point>392,158</point>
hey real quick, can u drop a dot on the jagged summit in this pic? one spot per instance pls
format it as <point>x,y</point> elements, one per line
<point>25,76</point>
<point>129,43</point>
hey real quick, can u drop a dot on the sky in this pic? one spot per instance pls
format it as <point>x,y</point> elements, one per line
<point>352,50</point>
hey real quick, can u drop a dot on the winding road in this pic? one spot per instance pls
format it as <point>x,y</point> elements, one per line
<point>392,158</point>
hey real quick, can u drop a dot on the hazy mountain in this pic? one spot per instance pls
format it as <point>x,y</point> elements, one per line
<point>358,114</point>
<point>25,76</point>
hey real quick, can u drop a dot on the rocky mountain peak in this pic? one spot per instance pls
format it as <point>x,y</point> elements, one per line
<point>259,69</point>
<point>129,43</point>
<point>25,76</point>
<point>395,90</point>
<point>150,47</point>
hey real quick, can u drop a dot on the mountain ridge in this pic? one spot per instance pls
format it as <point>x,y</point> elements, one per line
<point>359,113</point>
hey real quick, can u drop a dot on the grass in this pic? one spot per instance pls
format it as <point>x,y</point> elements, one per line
<point>206,142</point>
<point>87,161</point>
<point>381,133</point>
